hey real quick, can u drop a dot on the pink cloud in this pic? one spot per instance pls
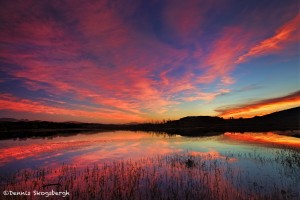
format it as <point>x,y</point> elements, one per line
<point>128,86</point>
<point>227,50</point>
<point>220,62</point>
<point>289,32</point>
<point>184,19</point>
<point>103,59</point>
<point>9,102</point>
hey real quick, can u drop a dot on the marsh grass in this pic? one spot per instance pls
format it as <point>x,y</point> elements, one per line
<point>174,176</point>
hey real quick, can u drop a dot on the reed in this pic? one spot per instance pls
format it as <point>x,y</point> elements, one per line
<point>174,176</point>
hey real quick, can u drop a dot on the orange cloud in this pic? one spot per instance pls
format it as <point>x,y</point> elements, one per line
<point>8,102</point>
<point>128,86</point>
<point>262,107</point>
<point>136,66</point>
<point>226,50</point>
<point>290,31</point>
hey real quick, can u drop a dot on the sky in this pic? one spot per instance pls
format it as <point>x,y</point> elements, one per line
<point>121,61</point>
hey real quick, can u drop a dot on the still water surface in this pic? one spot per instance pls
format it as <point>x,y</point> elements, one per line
<point>89,148</point>
<point>225,166</point>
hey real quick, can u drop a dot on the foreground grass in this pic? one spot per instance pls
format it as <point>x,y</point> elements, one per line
<point>176,176</point>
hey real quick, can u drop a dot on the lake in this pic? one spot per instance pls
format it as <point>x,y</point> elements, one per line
<point>243,165</point>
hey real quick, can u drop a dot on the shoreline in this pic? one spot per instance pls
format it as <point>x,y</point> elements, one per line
<point>191,132</point>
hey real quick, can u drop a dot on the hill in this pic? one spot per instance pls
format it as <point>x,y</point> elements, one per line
<point>192,125</point>
<point>283,120</point>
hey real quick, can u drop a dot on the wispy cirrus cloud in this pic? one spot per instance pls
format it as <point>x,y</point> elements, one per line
<point>140,58</point>
<point>289,32</point>
<point>12,103</point>
<point>128,85</point>
<point>184,20</point>
<point>220,61</point>
<point>227,50</point>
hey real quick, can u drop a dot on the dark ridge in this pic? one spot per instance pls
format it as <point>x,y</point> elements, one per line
<point>286,120</point>
<point>12,120</point>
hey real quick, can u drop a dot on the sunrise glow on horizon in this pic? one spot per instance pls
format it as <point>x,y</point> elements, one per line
<point>138,61</point>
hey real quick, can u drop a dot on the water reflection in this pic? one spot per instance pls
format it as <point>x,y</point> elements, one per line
<point>214,165</point>
<point>85,148</point>
<point>268,138</point>
<point>192,175</point>
<point>212,155</point>
<point>82,149</point>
